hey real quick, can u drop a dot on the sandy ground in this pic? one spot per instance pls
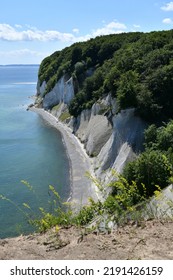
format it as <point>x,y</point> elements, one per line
<point>152,240</point>
<point>81,186</point>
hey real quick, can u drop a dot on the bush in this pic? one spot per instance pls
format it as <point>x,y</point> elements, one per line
<point>165,137</point>
<point>124,196</point>
<point>160,138</point>
<point>79,68</point>
<point>150,136</point>
<point>151,168</point>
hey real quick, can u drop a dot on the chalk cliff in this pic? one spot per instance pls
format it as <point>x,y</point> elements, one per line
<point>63,92</point>
<point>111,138</point>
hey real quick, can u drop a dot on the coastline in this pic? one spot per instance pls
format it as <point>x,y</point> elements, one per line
<point>81,187</point>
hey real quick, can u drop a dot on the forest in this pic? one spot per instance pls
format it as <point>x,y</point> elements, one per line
<point>135,67</point>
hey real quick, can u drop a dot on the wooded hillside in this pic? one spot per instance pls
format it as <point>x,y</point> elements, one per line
<point>137,68</point>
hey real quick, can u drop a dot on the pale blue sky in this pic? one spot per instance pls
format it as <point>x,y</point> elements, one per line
<point>33,29</point>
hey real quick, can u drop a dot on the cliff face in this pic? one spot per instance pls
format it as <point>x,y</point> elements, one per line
<point>112,139</point>
<point>62,92</point>
<point>125,141</point>
<point>93,129</point>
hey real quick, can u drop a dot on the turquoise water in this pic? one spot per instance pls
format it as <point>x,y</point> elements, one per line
<point>30,150</point>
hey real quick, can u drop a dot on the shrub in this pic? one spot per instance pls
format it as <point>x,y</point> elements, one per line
<point>160,138</point>
<point>150,135</point>
<point>151,168</point>
<point>64,116</point>
<point>79,68</point>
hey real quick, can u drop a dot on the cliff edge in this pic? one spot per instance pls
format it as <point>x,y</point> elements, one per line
<point>128,243</point>
<point>110,138</point>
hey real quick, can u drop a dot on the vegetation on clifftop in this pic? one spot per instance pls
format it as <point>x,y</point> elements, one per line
<point>135,67</point>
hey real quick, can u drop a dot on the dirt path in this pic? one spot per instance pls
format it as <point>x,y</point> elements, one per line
<point>152,240</point>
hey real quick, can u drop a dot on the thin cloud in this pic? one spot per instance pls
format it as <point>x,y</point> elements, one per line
<point>167,21</point>
<point>168,7</point>
<point>23,56</point>
<point>75,30</point>
<point>18,26</point>
<point>110,28</point>
<point>22,52</point>
<point>136,26</point>
<point>10,33</point>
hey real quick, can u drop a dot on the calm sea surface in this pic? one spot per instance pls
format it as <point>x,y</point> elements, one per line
<point>30,150</point>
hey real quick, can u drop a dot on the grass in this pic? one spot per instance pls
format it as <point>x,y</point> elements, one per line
<point>64,116</point>
<point>122,205</point>
<point>56,108</point>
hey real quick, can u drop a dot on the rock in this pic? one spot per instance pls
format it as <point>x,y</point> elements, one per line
<point>63,92</point>
<point>125,141</point>
<point>93,129</point>
<point>41,88</point>
<point>161,205</point>
<point>113,139</point>
<point>29,106</point>
<point>104,224</point>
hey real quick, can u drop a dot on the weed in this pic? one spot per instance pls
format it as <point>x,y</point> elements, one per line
<point>121,203</point>
<point>64,116</point>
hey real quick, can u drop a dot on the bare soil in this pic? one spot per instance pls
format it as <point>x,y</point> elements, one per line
<point>151,240</point>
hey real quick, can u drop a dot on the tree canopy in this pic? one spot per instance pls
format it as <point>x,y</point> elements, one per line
<point>136,68</point>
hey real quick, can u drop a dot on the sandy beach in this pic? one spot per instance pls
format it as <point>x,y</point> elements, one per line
<point>81,187</point>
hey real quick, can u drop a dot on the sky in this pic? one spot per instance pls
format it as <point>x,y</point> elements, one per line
<point>33,29</point>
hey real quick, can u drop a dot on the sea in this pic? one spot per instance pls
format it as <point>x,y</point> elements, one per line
<point>32,154</point>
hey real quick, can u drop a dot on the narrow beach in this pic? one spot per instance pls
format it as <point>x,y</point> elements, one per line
<point>81,187</point>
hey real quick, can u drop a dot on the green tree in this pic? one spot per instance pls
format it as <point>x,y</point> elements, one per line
<point>151,168</point>
<point>76,54</point>
<point>128,90</point>
<point>79,68</point>
<point>165,137</point>
<point>150,136</point>
<point>111,81</point>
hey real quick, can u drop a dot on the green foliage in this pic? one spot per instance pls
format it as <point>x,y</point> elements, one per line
<point>128,89</point>
<point>119,205</point>
<point>124,196</point>
<point>79,68</point>
<point>160,138</point>
<point>56,107</point>
<point>150,136</point>
<point>88,213</point>
<point>121,202</point>
<point>111,81</point>
<point>76,54</point>
<point>61,214</point>
<point>77,104</point>
<point>165,137</point>
<point>125,201</point>
<point>135,67</point>
<point>154,167</point>
<point>151,168</point>
<point>64,116</point>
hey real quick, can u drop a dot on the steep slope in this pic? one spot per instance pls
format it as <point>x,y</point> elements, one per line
<point>108,90</point>
<point>136,68</point>
<point>112,140</point>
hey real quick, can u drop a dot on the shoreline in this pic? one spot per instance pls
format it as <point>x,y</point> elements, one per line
<point>81,187</point>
